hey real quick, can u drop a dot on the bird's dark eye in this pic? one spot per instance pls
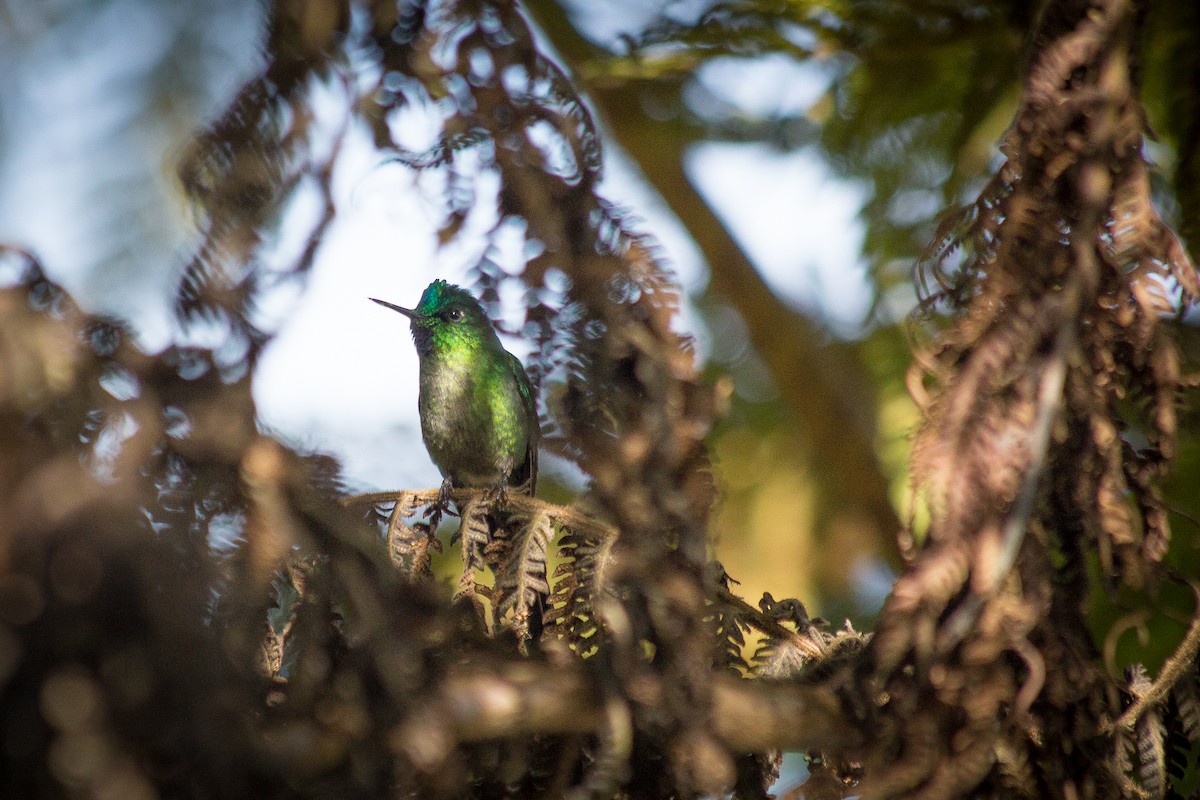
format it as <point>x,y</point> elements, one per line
<point>454,314</point>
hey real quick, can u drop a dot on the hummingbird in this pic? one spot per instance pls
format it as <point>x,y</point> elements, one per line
<point>478,412</point>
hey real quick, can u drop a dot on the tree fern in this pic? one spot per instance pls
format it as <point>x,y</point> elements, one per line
<point>578,581</point>
<point>1187,701</point>
<point>409,545</point>
<point>473,535</point>
<point>727,624</point>
<point>518,554</point>
<point>784,652</point>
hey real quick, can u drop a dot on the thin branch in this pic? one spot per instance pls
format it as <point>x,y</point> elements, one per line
<point>1173,669</point>
<point>1050,401</point>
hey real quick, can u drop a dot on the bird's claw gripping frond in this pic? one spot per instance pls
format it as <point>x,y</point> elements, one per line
<point>497,495</point>
<point>445,494</point>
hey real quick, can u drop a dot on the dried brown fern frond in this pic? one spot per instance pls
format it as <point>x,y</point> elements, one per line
<point>241,172</point>
<point>473,535</point>
<point>1141,748</point>
<point>1186,695</point>
<point>727,620</point>
<point>1057,278</point>
<point>513,538</point>
<point>1152,760</point>
<point>517,553</point>
<point>792,647</point>
<point>580,580</point>
<point>1156,739</point>
<point>788,650</point>
<point>410,545</point>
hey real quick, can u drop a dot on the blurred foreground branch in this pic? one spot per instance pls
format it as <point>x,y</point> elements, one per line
<point>748,716</point>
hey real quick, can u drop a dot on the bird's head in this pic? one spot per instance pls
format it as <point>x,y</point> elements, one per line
<point>446,317</point>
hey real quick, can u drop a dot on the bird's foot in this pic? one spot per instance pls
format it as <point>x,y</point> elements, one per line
<point>441,505</point>
<point>496,495</point>
<point>445,495</point>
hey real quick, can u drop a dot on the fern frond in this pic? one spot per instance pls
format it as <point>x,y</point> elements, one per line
<point>578,581</point>
<point>1187,701</point>
<point>1122,760</point>
<point>521,579</point>
<point>472,536</point>
<point>726,619</point>
<point>1016,773</point>
<point>1180,752</point>
<point>1151,745</point>
<point>782,657</point>
<point>408,545</point>
<point>1148,737</point>
<point>519,558</point>
<point>730,638</point>
<point>784,652</point>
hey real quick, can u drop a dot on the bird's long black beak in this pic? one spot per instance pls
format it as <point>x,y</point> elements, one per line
<point>408,312</point>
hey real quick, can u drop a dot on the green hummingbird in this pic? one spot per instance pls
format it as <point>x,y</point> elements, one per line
<point>478,413</point>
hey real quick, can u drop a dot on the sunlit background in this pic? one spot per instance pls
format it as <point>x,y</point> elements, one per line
<point>92,134</point>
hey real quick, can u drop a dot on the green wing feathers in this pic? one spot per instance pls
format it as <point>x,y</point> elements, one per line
<point>527,472</point>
